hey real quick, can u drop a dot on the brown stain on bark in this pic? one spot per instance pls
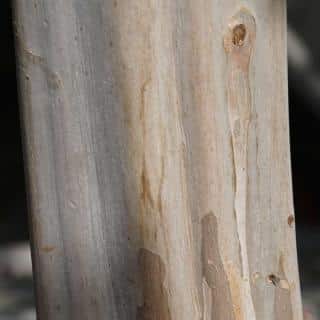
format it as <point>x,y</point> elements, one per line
<point>291,220</point>
<point>155,297</point>
<point>48,249</point>
<point>282,303</point>
<point>239,34</point>
<point>146,194</point>
<point>240,39</point>
<point>213,271</point>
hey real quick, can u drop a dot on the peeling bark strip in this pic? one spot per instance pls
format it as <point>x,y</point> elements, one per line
<point>239,44</point>
<point>153,275</point>
<point>155,193</point>
<point>214,274</point>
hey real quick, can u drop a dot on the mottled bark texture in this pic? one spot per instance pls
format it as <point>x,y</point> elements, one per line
<point>157,151</point>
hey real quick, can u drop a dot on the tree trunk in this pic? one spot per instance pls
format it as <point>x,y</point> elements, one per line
<point>156,137</point>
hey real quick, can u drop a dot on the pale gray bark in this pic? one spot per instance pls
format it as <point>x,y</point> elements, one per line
<point>156,136</point>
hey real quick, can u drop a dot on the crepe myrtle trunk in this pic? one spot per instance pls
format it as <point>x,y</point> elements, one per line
<point>157,155</point>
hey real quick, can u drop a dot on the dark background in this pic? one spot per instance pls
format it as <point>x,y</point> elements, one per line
<point>304,95</point>
<point>13,222</point>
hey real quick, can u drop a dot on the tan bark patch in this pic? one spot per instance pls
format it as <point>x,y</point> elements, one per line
<point>214,273</point>
<point>155,297</point>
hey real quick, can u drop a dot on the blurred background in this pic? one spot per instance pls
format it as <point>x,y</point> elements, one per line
<point>16,294</point>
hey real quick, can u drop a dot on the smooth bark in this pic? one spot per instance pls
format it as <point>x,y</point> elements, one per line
<point>157,149</point>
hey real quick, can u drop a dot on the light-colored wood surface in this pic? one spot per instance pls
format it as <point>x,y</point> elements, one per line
<point>156,136</point>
